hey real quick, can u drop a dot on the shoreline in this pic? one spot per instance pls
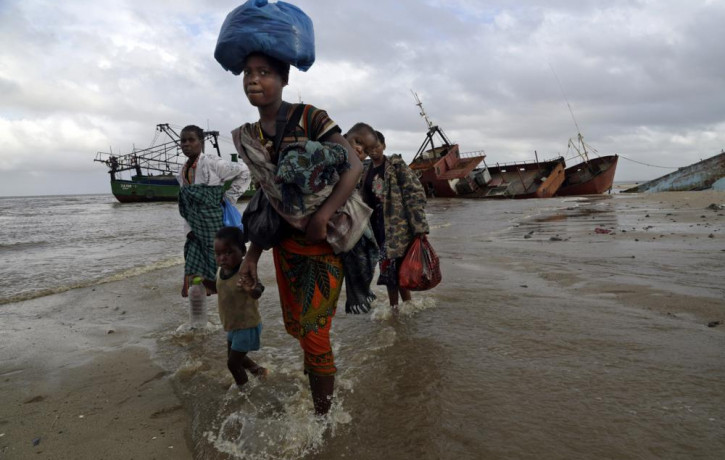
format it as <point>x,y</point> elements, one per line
<point>85,373</point>
<point>80,375</point>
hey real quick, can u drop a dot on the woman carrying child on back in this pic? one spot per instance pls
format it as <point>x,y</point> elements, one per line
<point>238,309</point>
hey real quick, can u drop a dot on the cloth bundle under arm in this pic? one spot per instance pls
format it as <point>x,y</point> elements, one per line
<point>345,227</point>
<point>307,168</point>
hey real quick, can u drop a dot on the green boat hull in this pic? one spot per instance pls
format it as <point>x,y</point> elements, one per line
<point>130,191</point>
<point>144,189</point>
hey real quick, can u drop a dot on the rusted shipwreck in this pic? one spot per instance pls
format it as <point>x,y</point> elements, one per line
<point>531,179</point>
<point>446,172</point>
<point>443,170</point>
<point>592,176</point>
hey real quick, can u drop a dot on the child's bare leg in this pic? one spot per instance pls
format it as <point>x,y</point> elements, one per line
<point>393,296</point>
<point>405,294</point>
<point>254,368</point>
<point>235,364</point>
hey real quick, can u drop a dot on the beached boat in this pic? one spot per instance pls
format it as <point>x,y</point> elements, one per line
<point>440,165</point>
<point>698,176</point>
<point>445,172</point>
<point>150,174</point>
<point>532,179</point>
<point>592,176</point>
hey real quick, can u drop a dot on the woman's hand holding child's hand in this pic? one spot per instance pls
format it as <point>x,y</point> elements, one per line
<point>248,282</point>
<point>247,275</point>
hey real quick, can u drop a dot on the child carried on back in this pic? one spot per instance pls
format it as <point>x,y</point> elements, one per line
<point>238,309</point>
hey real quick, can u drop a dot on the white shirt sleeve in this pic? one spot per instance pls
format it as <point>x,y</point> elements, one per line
<point>238,173</point>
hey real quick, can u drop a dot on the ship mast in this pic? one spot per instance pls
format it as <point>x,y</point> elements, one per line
<point>422,110</point>
<point>580,139</point>
<point>432,130</point>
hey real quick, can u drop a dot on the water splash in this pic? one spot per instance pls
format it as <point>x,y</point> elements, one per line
<point>383,311</point>
<point>273,420</point>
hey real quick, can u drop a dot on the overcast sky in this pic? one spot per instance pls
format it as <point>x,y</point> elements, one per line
<point>645,79</point>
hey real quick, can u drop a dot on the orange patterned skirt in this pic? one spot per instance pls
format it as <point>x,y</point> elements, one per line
<point>309,279</point>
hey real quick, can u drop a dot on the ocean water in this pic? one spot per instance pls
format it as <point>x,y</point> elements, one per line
<point>54,243</point>
<point>519,353</point>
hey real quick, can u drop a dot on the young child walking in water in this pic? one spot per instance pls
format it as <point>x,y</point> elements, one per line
<point>238,310</point>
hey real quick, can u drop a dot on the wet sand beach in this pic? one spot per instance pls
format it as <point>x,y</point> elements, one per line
<point>585,327</point>
<point>78,377</point>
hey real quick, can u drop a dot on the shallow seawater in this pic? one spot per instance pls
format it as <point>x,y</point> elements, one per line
<point>51,244</point>
<point>531,347</point>
<point>510,357</point>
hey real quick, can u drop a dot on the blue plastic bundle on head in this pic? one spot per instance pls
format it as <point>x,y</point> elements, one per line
<point>280,30</point>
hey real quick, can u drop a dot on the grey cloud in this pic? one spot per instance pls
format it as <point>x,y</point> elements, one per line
<point>636,74</point>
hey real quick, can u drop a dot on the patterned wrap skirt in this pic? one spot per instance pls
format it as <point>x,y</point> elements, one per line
<point>309,279</point>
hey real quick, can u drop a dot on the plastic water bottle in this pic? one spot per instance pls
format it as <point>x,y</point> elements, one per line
<point>197,304</point>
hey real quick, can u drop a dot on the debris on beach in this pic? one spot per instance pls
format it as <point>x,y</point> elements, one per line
<point>716,207</point>
<point>714,323</point>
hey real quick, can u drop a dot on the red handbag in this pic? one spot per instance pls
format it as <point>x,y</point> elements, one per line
<point>421,269</point>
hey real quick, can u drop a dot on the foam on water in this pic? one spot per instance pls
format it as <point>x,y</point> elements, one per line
<point>121,275</point>
<point>383,311</point>
<point>273,418</point>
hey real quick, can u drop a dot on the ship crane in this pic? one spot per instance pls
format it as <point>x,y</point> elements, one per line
<point>433,130</point>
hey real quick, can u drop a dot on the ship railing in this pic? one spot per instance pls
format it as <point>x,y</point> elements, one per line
<point>522,163</point>
<point>475,153</point>
<point>160,158</point>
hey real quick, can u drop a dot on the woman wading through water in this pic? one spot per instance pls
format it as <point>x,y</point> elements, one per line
<point>307,258</point>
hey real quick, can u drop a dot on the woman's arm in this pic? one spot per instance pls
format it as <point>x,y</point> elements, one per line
<point>317,226</point>
<point>248,271</point>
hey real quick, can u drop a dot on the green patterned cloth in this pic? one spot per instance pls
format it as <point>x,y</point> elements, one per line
<point>305,168</point>
<point>200,205</point>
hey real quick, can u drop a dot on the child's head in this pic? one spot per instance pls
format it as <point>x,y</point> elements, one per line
<point>380,148</point>
<point>229,247</point>
<point>363,139</point>
<point>381,138</point>
<point>191,140</point>
<point>264,78</point>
